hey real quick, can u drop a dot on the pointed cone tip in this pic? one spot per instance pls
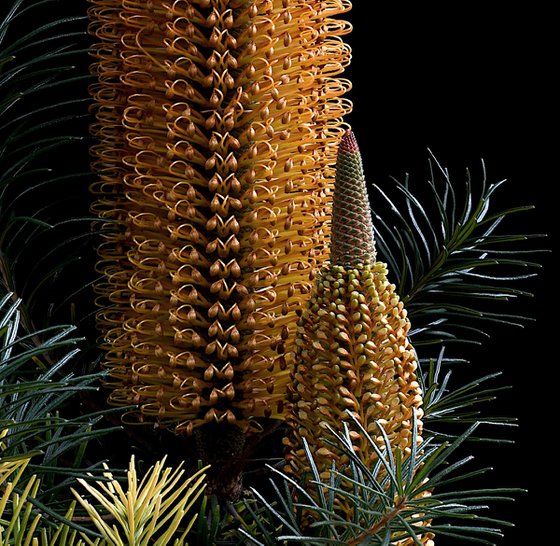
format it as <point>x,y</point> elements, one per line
<point>352,239</point>
<point>348,143</point>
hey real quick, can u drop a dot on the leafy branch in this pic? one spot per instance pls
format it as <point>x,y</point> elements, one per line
<point>446,404</point>
<point>38,416</point>
<point>45,233</point>
<point>400,497</point>
<point>453,264</point>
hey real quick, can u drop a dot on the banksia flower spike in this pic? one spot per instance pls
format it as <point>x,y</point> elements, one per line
<point>352,350</point>
<point>217,124</point>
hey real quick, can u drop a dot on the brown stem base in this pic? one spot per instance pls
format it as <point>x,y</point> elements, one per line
<point>221,445</point>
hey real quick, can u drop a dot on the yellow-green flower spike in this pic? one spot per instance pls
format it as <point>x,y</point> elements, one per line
<point>352,350</point>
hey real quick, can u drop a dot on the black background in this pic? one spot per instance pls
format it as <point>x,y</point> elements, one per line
<point>470,83</point>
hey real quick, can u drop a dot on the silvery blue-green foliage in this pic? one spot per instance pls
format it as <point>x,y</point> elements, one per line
<point>44,234</point>
<point>400,497</point>
<point>449,406</point>
<point>39,397</point>
<point>43,112</point>
<point>449,254</point>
